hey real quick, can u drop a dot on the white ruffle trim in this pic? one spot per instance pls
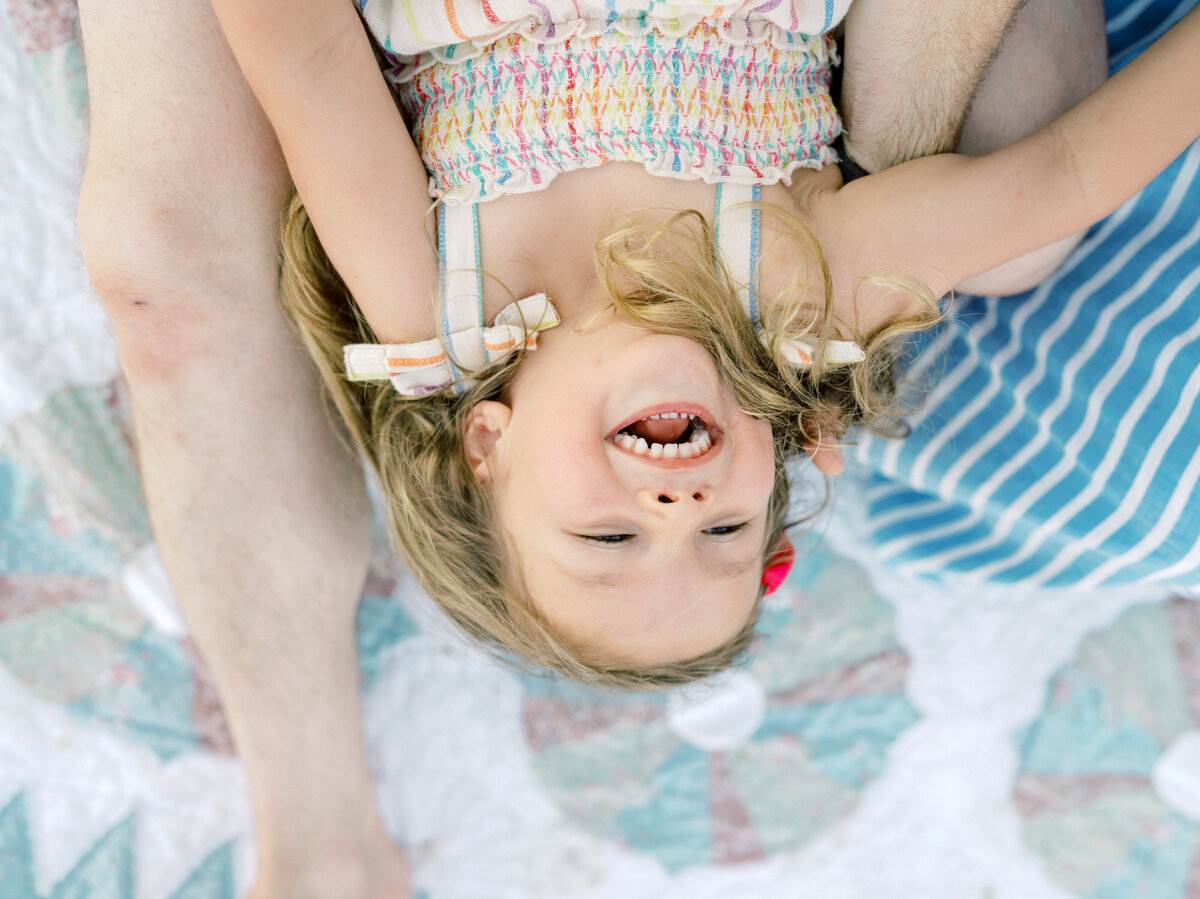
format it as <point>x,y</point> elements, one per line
<point>521,181</point>
<point>738,32</point>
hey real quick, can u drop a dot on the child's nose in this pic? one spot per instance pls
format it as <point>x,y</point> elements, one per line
<point>675,496</point>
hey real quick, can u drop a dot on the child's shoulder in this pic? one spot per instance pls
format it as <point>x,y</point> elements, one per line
<point>798,235</point>
<point>840,238</point>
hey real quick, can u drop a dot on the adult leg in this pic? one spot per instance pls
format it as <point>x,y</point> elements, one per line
<point>257,505</point>
<point>1053,56</point>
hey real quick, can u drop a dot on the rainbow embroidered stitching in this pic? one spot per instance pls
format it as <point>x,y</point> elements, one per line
<point>694,106</point>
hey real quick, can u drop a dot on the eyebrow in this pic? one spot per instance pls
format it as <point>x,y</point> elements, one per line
<point>721,570</point>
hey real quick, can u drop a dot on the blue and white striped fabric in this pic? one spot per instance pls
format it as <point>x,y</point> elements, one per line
<point>1058,442</point>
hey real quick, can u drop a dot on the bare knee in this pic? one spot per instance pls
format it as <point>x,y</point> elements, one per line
<point>179,281</point>
<point>161,212</point>
<point>157,221</point>
<point>133,242</point>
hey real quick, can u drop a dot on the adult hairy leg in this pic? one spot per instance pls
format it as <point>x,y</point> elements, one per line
<point>931,76</point>
<point>1054,55</point>
<point>258,505</point>
<point>911,68</point>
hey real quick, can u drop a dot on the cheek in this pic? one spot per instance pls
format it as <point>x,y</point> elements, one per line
<point>576,480</point>
<point>758,464</point>
<point>564,471</point>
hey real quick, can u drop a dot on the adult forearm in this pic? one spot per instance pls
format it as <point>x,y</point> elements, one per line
<point>911,68</point>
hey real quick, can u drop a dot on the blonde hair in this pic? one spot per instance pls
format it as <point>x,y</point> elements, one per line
<point>666,279</point>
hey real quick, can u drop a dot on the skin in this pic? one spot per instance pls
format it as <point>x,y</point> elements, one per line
<point>899,106</point>
<point>936,220</point>
<point>637,560</point>
<point>550,490</point>
<point>243,475</point>
<point>191,289</point>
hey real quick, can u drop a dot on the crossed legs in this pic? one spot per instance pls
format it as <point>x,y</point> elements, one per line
<point>258,505</point>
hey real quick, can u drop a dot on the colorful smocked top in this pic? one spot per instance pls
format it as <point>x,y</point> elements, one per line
<point>723,93</point>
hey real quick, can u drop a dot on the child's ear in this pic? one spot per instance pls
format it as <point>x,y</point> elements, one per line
<point>827,458</point>
<point>484,426</point>
<point>821,429</point>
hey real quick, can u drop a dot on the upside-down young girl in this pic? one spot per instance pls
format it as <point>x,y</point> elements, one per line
<point>609,504</point>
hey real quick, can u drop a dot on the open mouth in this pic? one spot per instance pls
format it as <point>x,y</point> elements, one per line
<point>668,435</point>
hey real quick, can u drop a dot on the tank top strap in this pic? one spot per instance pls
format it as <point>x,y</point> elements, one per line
<point>460,271</point>
<point>460,287</point>
<point>736,235</point>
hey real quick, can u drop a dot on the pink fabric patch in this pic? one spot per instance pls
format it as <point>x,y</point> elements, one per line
<point>44,25</point>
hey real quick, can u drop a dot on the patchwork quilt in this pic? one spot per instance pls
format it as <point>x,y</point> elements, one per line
<point>888,737</point>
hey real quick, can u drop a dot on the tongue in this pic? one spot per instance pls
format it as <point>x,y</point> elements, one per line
<point>664,430</point>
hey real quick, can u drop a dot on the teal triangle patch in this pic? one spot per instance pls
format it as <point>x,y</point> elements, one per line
<point>106,870</point>
<point>212,879</point>
<point>16,853</point>
<point>153,705</point>
<point>382,623</point>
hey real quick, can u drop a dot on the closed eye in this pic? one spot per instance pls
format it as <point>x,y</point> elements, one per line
<point>606,539</point>
<point>619,539</point>
<point>726,530</point>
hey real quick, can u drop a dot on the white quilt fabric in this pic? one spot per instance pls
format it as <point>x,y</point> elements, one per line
<point>53,331</point>
<point>456,775</point>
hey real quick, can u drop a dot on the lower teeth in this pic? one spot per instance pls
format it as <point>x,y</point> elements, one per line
<point>698,445</point>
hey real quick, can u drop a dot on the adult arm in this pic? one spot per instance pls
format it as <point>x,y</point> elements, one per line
<point>910,70</point>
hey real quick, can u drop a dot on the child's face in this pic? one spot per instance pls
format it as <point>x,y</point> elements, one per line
<point>632,559</point>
